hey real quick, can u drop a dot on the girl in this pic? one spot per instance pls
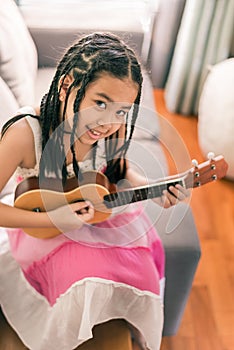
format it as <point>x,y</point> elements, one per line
<point>55,290</point>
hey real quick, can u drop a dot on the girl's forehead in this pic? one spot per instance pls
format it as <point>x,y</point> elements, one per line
<point>114,89</point>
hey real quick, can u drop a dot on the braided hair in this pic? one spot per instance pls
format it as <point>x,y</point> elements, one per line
<point>85,60</point>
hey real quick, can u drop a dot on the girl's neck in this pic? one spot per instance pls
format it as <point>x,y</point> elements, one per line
<point>82,151</point>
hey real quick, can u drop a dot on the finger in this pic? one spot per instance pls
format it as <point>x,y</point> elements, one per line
<point>165,200</point>
<point>171,197</point>
<point>176,192</point>
<point>81,206</point>
<point>86,216</point>
<point>83,211</point>
<point>186,191</point>
<point>87,208</point>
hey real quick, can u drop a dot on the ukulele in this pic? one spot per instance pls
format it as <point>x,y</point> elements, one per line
<point>30,194</point>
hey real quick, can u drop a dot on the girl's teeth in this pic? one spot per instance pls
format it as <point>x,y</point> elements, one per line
<point>95,132</point>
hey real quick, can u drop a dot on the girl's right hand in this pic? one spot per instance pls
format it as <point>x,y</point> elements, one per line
<point>71,216</point>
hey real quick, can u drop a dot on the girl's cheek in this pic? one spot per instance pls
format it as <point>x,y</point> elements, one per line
<point>115,128</point>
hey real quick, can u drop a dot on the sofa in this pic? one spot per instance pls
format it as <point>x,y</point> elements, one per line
<point>31,41</point>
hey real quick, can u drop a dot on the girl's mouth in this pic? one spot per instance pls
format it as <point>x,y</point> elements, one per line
<point>94,134</point>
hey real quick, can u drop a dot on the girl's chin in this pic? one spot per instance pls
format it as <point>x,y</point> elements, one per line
<point>85,140</point>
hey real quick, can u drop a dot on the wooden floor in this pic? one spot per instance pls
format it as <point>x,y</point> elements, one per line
<point>208,322</point>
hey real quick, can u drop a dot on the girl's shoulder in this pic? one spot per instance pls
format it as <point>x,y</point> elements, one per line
<point>23,126</point>
<point>19,133</point>
<point>20,122</point>
<point>24,136</point>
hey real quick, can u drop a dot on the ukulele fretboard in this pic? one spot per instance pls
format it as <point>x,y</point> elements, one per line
<point>117,199</point>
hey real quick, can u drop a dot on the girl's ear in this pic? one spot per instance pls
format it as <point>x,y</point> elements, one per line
<point>64,84</point>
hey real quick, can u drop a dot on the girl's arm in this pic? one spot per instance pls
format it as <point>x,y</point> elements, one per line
<point>17,149</point>
<point>168,199</point>
<point>65,218</point>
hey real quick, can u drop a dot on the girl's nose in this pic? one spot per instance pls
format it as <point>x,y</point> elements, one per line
<point>105,125</point>
<point>100,122</point>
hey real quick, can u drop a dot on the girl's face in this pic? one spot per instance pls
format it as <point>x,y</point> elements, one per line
<point>104,107</point>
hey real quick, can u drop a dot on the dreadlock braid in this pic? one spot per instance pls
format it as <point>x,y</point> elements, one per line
<point>85,61</point>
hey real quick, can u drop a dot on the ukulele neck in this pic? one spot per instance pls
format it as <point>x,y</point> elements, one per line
<point>133,195</point>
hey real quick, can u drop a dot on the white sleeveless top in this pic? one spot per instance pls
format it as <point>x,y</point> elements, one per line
<point>86,165</point>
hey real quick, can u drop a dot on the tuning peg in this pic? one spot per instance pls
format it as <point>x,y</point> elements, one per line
<point>211,158</point>
<point>196,174</point>
<point>195,163</point>
<point>210,155</point>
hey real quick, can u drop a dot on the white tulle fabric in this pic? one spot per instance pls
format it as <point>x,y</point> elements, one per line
<point>68,323</point>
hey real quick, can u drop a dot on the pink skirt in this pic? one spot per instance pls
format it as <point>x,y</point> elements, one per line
<point>63,287</point>
<point>71,262</point>
<point>130,252</point>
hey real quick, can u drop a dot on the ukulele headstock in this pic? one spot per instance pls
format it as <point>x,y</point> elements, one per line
<point>213,169</point>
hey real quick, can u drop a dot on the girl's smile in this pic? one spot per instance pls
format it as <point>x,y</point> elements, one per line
<point>94,134</point>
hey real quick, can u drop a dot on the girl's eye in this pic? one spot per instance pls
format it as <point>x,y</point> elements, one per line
<point>121,113</point>
<point>101,104</point>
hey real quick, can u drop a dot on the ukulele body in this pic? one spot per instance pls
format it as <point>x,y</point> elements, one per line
<point>44,196</point>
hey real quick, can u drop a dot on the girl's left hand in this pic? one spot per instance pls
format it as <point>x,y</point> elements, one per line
<point>172,196</point>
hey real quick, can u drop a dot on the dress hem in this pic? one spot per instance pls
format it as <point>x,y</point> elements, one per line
<point>69,322</point>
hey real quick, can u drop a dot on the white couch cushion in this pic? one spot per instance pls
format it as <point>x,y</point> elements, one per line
<point>9,106</point>
<point>18,55</point>
<point>8,103</point>
<point>216,113</point>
